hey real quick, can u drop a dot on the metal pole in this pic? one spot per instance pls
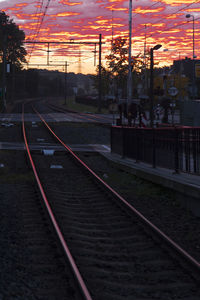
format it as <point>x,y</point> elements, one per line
<point>13,82</point>
<point>95,54</point>
<point>48,54</point>
<point>4,71</point>
<point>100,83</point>
<point>145,64</point>
<point>66,82</point>
<point>193,64</point>
<point>193,38</point>
<point>129,81</point>
<point>151,88</point>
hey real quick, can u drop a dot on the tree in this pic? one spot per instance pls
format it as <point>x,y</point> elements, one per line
<point>105,79</point>
<point>117,62</point>
<point>11,41</point>
<point>114,76</point>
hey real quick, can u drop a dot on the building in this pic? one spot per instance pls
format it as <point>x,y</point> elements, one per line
<point>189,68</point>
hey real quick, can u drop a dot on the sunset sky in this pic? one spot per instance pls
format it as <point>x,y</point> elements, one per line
<point>83,21</point>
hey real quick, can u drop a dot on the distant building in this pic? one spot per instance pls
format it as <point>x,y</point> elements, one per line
<point>188,67</point>
<point>185,66</point>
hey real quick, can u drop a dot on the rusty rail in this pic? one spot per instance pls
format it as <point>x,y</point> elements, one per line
<point>58,232</point>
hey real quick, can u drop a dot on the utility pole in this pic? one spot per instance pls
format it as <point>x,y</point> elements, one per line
<point>151,95</point>
<point>193,58</point>
<point>4,70</point>
<point>112,67</point>
<point>13,82</point>
<point>145,63</point>
<point>95,53</point>
<point>151,90</point>
<point>66,65</point>
<point>129,81</point>
<point>112,28</point>
<point>100,83</point>
<point>48,54</point>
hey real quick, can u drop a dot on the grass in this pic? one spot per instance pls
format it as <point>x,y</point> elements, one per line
<point>71,104</point>
<point>9,177</point>
<point>129,183</point>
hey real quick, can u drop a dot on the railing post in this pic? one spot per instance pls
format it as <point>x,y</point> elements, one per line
<point>153,148</point>
<point>123,142</point>
<point>137,144</point>
<point>111,139</point>
<point>176,152</point>
<point>194,149</point>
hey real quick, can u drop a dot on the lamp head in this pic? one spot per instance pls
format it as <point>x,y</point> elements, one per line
<point>156,47</point>
<point>188,16</point>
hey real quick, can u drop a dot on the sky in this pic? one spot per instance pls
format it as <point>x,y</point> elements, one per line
<point>156,22</point>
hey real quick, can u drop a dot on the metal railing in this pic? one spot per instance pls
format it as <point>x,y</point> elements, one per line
<point>175,148</point>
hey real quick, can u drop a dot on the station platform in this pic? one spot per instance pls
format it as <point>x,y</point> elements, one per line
<point>186,186</point>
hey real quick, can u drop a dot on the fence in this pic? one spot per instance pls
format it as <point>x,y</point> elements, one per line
<point>175,148</point>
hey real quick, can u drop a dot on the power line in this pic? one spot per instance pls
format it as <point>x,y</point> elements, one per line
<point>164,18</point>
<point>175,26</point>
<point>40,25</point>
<point>37,13</point>
<point>39,6</point>
<point>135,14</point>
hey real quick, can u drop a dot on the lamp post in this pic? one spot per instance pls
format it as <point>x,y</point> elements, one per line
<point>193,57</point>
<point>151,95</point>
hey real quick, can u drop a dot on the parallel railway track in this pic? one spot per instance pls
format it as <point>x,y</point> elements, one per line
<point>120,254</point>
<point>82,116</point>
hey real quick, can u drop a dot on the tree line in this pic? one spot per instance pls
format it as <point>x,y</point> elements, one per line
<point>20,83</point>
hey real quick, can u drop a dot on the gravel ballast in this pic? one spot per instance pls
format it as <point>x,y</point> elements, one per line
<point>158,204</point>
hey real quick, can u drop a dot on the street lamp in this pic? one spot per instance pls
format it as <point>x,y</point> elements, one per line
<point>194,56</point>
<point>151,96</point>
<point>188,16</point>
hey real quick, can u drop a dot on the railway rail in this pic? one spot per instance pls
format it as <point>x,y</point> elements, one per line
<point>82,116</point>
<point>120,254</point>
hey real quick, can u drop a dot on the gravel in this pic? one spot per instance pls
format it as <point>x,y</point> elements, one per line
<point>158,204</point>
<point>155,202</point>
<point>82,133</point>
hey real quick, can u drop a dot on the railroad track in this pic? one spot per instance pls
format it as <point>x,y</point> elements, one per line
<point>82,116</point>
<point>115,252</point>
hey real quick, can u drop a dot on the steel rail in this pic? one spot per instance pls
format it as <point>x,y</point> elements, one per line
<point>67,252</point>
<point>80,115</point>
<point>96,117</point>
<point>159,232</point>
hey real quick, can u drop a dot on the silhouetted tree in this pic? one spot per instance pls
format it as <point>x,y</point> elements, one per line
<point>11,41</point>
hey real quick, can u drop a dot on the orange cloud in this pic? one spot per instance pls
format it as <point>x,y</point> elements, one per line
<point>22,4</point>
<point>176,2</point>
<point>65,14</point>
<point>14,8</point>
<point>116,8</point>
<point>84,20</point>
<point>66,2</point>
<point>193,10</point>
<point>28,16</point>
<point>141,10</point>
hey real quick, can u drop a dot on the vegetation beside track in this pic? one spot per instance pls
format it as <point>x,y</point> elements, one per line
<point>83,108</point>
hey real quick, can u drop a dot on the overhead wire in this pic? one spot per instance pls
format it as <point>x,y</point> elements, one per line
<point>138,13</point>
<point>164,18</point>
<point>37,14</point>
<point>40,25</point>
